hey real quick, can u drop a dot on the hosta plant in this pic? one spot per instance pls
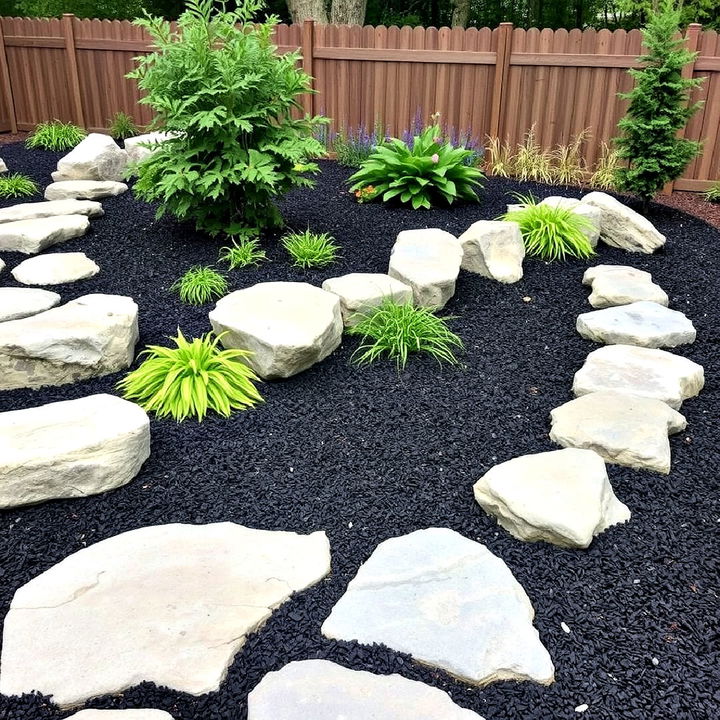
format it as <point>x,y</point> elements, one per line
<point>309,249</point>
<point>17,185</point>
<point>55,135</point>
<point>192,378</point>
<point>199,285</point>
<point>123,126</point>
<point>243,252</point>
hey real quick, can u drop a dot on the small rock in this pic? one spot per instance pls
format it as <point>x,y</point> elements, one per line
<point>582,708</point>
<point>621,285</point>
<point>494,249</point>
<point>33,236</point>
<point>84,189</point>
<point>96,157</point>
<point>565,627</point>
<point>16,303</point>
<point>3,166</point>
<point>35,210</point>
<point>120,715</point>
<point>55,269</point>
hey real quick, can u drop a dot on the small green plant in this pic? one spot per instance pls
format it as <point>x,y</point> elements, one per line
<point>122,126</point>
<point>568,165</point>
<point>531,161</point>
<point>353,148</point>
<point>199,285</point>
<point>500,162</point>
<point>712,194</point>
<point>396,330</point>
<point>550,232</point>
<point>55,135</point>
<point>605,174</point>
<point>244,252</point>
<point>309,249</point>
<point>17,185</point>
<point>192,378</point>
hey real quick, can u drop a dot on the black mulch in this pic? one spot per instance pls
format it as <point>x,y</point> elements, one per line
<point>368,454</point>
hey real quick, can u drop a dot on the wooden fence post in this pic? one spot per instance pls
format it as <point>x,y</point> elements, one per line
<point>68,31</point>
<point>6,84</point>
<point>308,47</point>
<point>502,66</point>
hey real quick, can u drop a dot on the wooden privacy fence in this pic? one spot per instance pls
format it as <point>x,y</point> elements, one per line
<point>497,82</point>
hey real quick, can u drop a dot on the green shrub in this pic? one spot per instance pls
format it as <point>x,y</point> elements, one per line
<point>309,249</point>
<point>712,194</point>
<point>192,378</point>
<point>17,185</point>
<point>219,83</point>
<point>123,126</point>
<point>396,330</point>
<point>243,252</point>
<point>200,285</point>
<point>55,135</point>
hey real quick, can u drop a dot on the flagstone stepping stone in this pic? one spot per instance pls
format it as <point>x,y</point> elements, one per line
<point>591,213</point>
<point>448,602</point>
<point>429,262</point>
<point>55,269</point>
<point>169,604</point>
<point>34,236</point>
<point>70,449</point>
<point>622,227</point>
<point>494,249</point>
<point>91,336</point>
<point>640,371</point>
<point>360,293</point>
<point>96,157</point>
<point>288,326</point>
<point>322,690</point>
<point>621,285</point>
<point>84,189</point>
<point>563,497</point>
<point>120,715</point>
<point>142,146</point>
<point>16,303</point>
<point>35,210</point>
<point>623,429</point>
<point>644,323</point>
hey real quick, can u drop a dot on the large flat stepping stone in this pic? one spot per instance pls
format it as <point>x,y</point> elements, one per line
<point>640,371</point>
<point>169,604</point>
<point>55,269</point>
<point>36,210</point>
<point>71,449</point>
<point>288,326</point>
<point>84,189</point>
<point>429,262</point>
<point>621,285</point>
<point>361,293</point>
<point>142,146</point>
<point>34,236</point>
<point>322,690</point>
<point>448,602</point>
<point>645,324</point>
<point>563,497</point>
<point>120,715</point>
<point>91,336</point>
<point>591,213</point>
<point>96,157</point>
<point>16,303</point>
<point>494,249</point>
<point>622,227</point>
<point>623,429</point>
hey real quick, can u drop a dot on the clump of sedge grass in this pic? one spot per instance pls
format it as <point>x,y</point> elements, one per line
<point>568,165</point>
<point>309,249</point>
<point>55,135</point>
<point>17,185</point>
<point>605,174</point>
<point>531,161</point>
<point>712,194</point>
<point>199,285</point>
<point>500,161</point>
<point>122,126</point>
<point>243,252</point>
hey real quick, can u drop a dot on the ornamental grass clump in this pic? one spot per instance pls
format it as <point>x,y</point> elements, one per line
<point>199,285</point>
<point>606,169</point>
<point>191,379</point>
<point>311,250</point>
<point>122,126</point>
<point>55,135</point>
<point>396,330</point>
<point>17,185</point>
<point>712,194</point>
<point>243,252</point>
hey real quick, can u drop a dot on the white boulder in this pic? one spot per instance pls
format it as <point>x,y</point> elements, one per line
<point>96,157</point>
<point>120,715</point>
<point>34,210</point>
<point>621,285</point>
<point>55,269</point>
<point>494,249</point>
<point>84,189</point>
<point>16,303</point>
<point>33,236</point>
<point>142,146</point>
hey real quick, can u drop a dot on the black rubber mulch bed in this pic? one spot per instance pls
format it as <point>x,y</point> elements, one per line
<point>368,454</point>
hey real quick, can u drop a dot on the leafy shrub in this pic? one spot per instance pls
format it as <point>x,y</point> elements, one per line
<point>123,126</point>
<point>17,185</point>
<point>219,83</point>
<point>309,249</point>
<point>55,135</point>
<point>712,194</point>
<point>396,330</point>
<point>605,174</point>
<point>200,285</point>
<point>243,252</point>
<point>192,378</point>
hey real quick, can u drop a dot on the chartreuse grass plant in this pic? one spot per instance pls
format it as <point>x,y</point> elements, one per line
<point>244,252</point>
<point>192,378</point>
<point>606,169</point>
<point>531,161</point>
<point>397,330</point>
<point>311,250</point>
<point>17,185</point>
<point>499,157</point>
<point>55,135</point>
<point>123,126</point>
<point>712,194</point>
<point>199,285</point>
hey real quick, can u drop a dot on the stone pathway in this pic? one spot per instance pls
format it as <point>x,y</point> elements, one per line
<point>34,236</point>
<point>494,249</point>
<point>621,285</point>
<point>55,269</point>
<point>84,189</point>
<point>17,303</point>
<point>54,208</point>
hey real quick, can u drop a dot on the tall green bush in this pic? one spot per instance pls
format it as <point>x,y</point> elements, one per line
<point>218,84</point>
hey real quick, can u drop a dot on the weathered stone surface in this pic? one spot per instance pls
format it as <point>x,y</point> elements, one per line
<point>91,336</point>
<point>34,236</point>
<point>288,326</point>
<point>84,189</point>
<point>322,690</point>
<point>16,303</point>
<point>120,715</point>
<point>169,604</point>
<point>71,449</point>
<point>96,157</point>
<point>448,602</point>
<point>563,497</point>
<point>55,269</point>
<point>360,293</point>
<point>494,249</point>
<point>429,261</point>
<point>34,210</point>
<point>622,227</point>
<point>142,146</point>
<point>621,285</point>
<point>644,323</point>
<point>623,429</point>
<point>2,265</point>
<point>640,371</point>
<point>3,166</point>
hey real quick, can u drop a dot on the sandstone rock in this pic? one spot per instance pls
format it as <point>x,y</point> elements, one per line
<point>84,189</point>
<point>91,336</point>
<point>621,285</point>
<point>566,203</point>
<point>169,604</point>
<point>96,157</point>
<point>494,249</point>
<point>142,146</point>
<point>3,166</point>
<point>448,602</point>
<point>644,323</point>
<point>288,326</point>
<point>360,293</point>
<point>623,429</point>
<point>640,371</point>
<point>120,715</point>
<point>34,210</point>
<point>429,261</point>
<point>622,227</point>
<point>16,303</point>
<point>33,236</point>
<point>71,449</point>
<point>322,690</point>
<point>55,269</point>
<point>563,497</point>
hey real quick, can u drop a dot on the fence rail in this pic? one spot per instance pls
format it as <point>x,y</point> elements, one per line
<point>497,82</point>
